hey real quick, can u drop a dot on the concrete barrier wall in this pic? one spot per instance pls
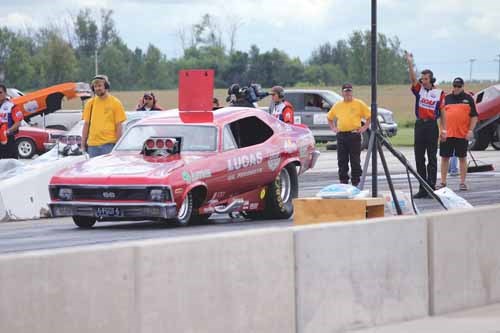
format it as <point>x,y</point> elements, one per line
<point>464,259</point>
<point>77,290</point>
<point>352,275</point>
<point>234,282</point>
<point>320,278</point>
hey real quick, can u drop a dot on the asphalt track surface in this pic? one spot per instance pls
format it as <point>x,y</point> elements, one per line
<point>61,232</point>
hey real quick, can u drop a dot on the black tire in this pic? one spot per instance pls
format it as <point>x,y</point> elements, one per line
<point>495,139</point>
<point>185,213</point>
<point>281,192</point>
<point>481,140</point>
<point>26,148</point>
<point>84,222</point>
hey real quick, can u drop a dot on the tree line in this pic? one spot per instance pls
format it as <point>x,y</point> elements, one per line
<point>34,59</point>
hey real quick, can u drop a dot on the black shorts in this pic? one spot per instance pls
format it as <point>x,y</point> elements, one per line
<point>453,145</point>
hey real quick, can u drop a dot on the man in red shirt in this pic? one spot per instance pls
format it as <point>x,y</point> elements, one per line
<point>281,109</point>
<point>428,104</point>
<point>461,118</point>
<point>10,120</point>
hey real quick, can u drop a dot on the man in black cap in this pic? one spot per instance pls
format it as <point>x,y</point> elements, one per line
<point>349,114</point>
<point>461,118</point>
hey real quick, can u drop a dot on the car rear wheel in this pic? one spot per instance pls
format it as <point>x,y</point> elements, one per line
<point>25,148</point>
<point>281,192</point>
<point>495,141</point>
<point>84,222</point>
<point>481,140</point>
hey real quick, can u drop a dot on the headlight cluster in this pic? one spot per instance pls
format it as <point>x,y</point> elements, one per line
<point>157,194</point>
<point>65,194</point>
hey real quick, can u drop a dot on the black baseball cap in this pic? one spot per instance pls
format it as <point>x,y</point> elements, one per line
<point>347,87</point>
<point>458,81</point>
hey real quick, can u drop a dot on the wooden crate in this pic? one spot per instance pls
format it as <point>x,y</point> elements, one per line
<point>318,210</point>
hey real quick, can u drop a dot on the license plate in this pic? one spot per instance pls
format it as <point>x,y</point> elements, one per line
<point>108,212</point>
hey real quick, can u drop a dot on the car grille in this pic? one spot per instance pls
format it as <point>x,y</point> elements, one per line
<point>111,193</point>
<point>80,194</point>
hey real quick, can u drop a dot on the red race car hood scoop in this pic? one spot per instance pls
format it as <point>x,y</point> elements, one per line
<point>126,166</point>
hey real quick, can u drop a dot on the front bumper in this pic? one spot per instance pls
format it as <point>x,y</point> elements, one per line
<point>389,129</point>
<point>126,210</point>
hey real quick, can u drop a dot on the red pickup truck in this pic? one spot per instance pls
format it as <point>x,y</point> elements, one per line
<point>488,127</point>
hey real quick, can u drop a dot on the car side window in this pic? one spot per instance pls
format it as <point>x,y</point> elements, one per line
<point>228,142</point>
<point>314,103</point>
<point>250,131</point>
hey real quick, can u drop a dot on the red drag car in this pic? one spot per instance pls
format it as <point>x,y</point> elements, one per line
<point>184,166</point>
<point>32,140</point>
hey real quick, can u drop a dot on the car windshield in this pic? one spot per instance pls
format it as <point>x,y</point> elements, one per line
<point>332,97</point>
<point>194,138</point>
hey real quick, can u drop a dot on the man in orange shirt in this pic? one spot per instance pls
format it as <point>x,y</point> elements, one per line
<point>461,118</point>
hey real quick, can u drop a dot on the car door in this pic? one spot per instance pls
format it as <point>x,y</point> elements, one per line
<point>316,109</point>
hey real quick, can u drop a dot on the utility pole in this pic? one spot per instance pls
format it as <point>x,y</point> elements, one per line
<point>96,63</point>
<point>498,60</point>
<point>470,72</point>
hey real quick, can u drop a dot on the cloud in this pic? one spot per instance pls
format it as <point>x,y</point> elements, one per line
<point>17,20</point>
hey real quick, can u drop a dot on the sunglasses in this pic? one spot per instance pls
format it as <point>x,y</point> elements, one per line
<point>457,86</point>
<point>148,97</point>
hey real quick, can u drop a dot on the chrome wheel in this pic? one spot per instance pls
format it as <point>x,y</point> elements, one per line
<point>25,148</point>
<point>285,184</point>
<point>183,211</point>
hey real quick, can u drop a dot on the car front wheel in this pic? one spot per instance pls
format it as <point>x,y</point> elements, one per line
<point>84,222</point>
<point>185,211</point>
<point>25,148</point>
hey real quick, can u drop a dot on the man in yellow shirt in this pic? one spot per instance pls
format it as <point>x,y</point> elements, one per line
<point>103,117</point>
<point>348,115</point>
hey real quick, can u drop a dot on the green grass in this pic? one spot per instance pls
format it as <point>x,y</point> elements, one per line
<point>404,138</point>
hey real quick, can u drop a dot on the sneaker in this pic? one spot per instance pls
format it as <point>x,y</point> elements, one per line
<point>454,173</point>
<point>463,187</point>
<point>421,195</point>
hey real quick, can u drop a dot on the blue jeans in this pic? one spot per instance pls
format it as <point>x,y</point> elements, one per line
<point>453,165</point>
<point>100,150</point>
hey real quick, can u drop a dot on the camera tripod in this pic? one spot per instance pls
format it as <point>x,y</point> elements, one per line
<point>377,141</point>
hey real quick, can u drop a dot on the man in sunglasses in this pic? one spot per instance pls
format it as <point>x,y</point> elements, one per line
<point>461,118</point>
<point>149,103</point>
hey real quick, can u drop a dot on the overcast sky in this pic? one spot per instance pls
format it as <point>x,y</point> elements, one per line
<point>443,35</point>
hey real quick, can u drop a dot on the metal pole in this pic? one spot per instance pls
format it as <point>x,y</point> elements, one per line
<point>374,126</point>
<point>470,72</point>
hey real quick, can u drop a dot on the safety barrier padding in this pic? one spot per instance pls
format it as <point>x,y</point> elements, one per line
<point>361,274</point>
<point>26,196</point>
